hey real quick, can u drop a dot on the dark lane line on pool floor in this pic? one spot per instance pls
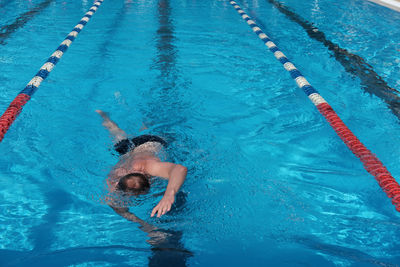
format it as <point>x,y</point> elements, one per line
<point>370,81</point>
<point>5,3</point>
<point>167,251</point>
<point>7,30</point>
<point>105,49</point>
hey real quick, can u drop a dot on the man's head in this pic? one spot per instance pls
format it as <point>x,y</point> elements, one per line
<point>134,183</point>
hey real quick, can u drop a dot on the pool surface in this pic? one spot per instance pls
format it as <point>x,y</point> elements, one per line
<point>269,182</point>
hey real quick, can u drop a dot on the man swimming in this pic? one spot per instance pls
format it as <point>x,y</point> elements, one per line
<point>138,163</point>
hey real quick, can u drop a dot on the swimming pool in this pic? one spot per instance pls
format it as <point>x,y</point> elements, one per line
<point>269,181</point>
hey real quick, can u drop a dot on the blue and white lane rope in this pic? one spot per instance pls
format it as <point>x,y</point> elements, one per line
<point>371,163</point>
<point>15,108</point>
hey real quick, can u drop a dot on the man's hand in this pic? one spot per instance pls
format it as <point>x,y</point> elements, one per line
<point>163,206</point>
<point>176,175</point>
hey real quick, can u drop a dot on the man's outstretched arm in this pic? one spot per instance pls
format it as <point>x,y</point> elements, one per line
<point>157,236</point>
<point>124,212</point>
<point>176,175</point>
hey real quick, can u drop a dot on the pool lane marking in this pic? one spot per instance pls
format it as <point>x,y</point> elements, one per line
<point>7,30</point>
<point>355,65</point>
<point>371,163</point>
<point>15,108</point>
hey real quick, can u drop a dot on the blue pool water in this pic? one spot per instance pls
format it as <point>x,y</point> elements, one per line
<point>269,182</point>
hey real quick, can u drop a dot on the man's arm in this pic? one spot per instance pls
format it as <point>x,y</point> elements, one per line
<point>157,236</point>
<point>124,212</point>
<point>176,175</point>
<point>112,127</point>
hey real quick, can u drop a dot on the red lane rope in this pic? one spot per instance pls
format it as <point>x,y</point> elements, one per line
<point>16,105</point>
<point>12,113</point>
<point>371,163</point>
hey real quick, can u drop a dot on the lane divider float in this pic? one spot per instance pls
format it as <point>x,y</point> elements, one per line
<point>371,163</point>
<point>15,108</point>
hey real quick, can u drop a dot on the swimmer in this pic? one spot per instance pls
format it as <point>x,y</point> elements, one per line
<point>138,163</point>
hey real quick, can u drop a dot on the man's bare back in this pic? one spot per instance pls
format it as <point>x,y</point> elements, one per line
<point>135,161</point>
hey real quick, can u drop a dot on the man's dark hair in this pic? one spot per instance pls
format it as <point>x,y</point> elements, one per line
<point>144,184</point>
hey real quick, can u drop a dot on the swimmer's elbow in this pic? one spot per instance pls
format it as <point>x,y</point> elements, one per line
<point>176,171</point>
<point>182,169</point>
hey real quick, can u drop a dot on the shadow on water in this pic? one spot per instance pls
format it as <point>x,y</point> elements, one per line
<point>166,247</point>
<point>7,30</point>
<point>167,95</point>
<point>371,82</point>
<point>169,250</point>
<point>43,238</point>
<point>42,235</point>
